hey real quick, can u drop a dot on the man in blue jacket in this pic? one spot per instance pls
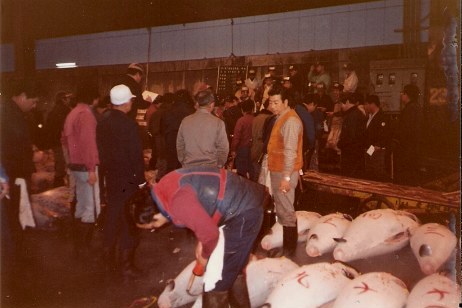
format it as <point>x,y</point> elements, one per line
<point>204,199</point>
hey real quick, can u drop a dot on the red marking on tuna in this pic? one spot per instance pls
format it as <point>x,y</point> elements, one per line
<point>300,281</point>
<point>440,292</point>
<point>433,230</point>
<point>328,221</point>
<point>365,287</point>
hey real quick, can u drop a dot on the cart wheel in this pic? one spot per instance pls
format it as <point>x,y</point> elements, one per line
<point>374,203</point>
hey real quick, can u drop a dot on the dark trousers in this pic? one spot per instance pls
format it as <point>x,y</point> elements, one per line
<point>117,228</point>
<point>375,167</point>
<point>352,163</point>
<point>60,165</point>
<point>244,163</point>
<point>240,233</point>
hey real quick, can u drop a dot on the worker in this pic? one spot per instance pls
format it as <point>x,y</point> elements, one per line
<point>225,212</point>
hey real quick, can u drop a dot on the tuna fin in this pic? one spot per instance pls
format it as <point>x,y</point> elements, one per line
<point>304,232</point>
<point>266,305</point>
<point>313,237</point>
<point>170,285</point>
<point>398,237</point>
<point>347,217</point>
<point>339,239</point>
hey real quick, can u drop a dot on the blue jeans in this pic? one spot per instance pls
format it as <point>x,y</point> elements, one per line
<point>88,201</point>
<point>240,234</point>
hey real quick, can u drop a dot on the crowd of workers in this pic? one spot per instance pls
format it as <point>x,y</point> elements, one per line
<point>269,132</point>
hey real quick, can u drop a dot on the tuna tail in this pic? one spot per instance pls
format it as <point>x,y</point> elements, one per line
<point>339,239</point>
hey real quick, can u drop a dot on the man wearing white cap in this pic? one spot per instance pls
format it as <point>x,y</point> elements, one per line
<point>121,155</point>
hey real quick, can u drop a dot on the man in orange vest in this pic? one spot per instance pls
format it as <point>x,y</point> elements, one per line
<point>285,159</point>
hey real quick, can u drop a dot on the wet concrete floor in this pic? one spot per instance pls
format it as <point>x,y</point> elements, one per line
<point>48,274</point>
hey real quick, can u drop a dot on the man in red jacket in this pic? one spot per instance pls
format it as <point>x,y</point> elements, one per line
<point>204,199</point>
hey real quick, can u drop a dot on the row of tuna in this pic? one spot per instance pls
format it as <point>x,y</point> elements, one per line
<point>280,283</point>
<point>372,233</point>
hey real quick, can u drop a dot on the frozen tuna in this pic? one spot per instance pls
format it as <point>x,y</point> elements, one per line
<point>50,206</point>
<point>320,239</point>
<point>375,233</point>
<point>432,244</point>
<point>434,291</point>
<point>377,289</point>
<point>305,220</point>
<point>311,286</point>
<point>262,276</point>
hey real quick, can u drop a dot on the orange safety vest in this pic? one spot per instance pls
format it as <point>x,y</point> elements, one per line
<point>276,145</point>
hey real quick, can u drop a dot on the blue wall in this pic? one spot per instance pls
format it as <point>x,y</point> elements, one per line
<point>338,27</point>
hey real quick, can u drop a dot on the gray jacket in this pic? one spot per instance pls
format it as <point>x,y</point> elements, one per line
<point>202,140</point>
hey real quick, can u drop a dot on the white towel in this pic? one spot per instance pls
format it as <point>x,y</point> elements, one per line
<point>26,219</point>
<point>215,265</point>
<point>264,177</point>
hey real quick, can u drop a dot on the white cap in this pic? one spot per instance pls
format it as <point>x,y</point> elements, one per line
<point>120,95</point>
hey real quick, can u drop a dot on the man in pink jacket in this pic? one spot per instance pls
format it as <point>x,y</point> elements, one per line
<point>79,141</point>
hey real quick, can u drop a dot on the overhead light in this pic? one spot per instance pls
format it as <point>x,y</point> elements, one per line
<point>66,65</point>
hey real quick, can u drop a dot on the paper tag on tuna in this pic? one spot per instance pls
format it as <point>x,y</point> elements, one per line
<point>371,150</point>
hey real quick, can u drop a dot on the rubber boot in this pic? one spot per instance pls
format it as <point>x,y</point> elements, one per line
<point>129,270</point>
<point>290,239</point>
<point>239,294</point>
<point>215,299</point>
<point>289,243</point>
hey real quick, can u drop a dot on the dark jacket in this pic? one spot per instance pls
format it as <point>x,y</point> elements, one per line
<point>408,135</point>
<point>201,198</point>
<point>378,133</point>
<point>135,88</point>
<point>16,143</point>
<point>170,124</point>
<point>55,124</point>
<point>120,151</point>
<point>231,116</point>
<point>353,129</point>
<point>309,133</point>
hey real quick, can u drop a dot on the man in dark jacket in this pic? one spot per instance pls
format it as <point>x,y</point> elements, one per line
<point>16,157</point>
<point>206,199</point>
<point>377,137</point>
<point>351,142</point>
<point>121,156</point>
<point>53,128</point>
<point>408,138</point>
<point>183,105</point>
<point>132,80</point>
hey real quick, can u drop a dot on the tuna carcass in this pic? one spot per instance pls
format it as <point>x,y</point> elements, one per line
<point>434,291</point>
<point>432,244</point>
<point>320,239</point>
<point>375,233</point>
<point>305,220</point>
<point>262,276</point>
<point>310,286</point>
<point>376,289</point>
<point>51,205</point>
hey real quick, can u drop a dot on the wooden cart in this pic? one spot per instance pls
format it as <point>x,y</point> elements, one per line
<point>375,195</point>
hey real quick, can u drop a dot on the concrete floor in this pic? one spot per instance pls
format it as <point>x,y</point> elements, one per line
<point>49,276</point>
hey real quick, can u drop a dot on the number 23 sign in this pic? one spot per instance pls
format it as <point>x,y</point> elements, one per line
<point>438,96</point>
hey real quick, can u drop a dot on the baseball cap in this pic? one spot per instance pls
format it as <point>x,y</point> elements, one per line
<point>120,95</point>
<point>287,78</point>
<point>251,71</point>
<point>272,68</point>
<point>244,88</point>
<point>292,67</point>
<point>267,76</point>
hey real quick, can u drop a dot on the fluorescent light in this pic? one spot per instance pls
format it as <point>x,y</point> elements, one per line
<point>66,65</point>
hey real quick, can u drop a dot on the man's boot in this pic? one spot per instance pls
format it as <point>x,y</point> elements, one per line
<point>239,294</point>
<point>290,239</point>
<point>82,239</point>
<point>289,243</point>
<point>129,270</point>
<point>215,299</point>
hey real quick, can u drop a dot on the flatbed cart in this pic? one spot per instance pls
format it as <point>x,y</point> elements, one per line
<point>376,195</point>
